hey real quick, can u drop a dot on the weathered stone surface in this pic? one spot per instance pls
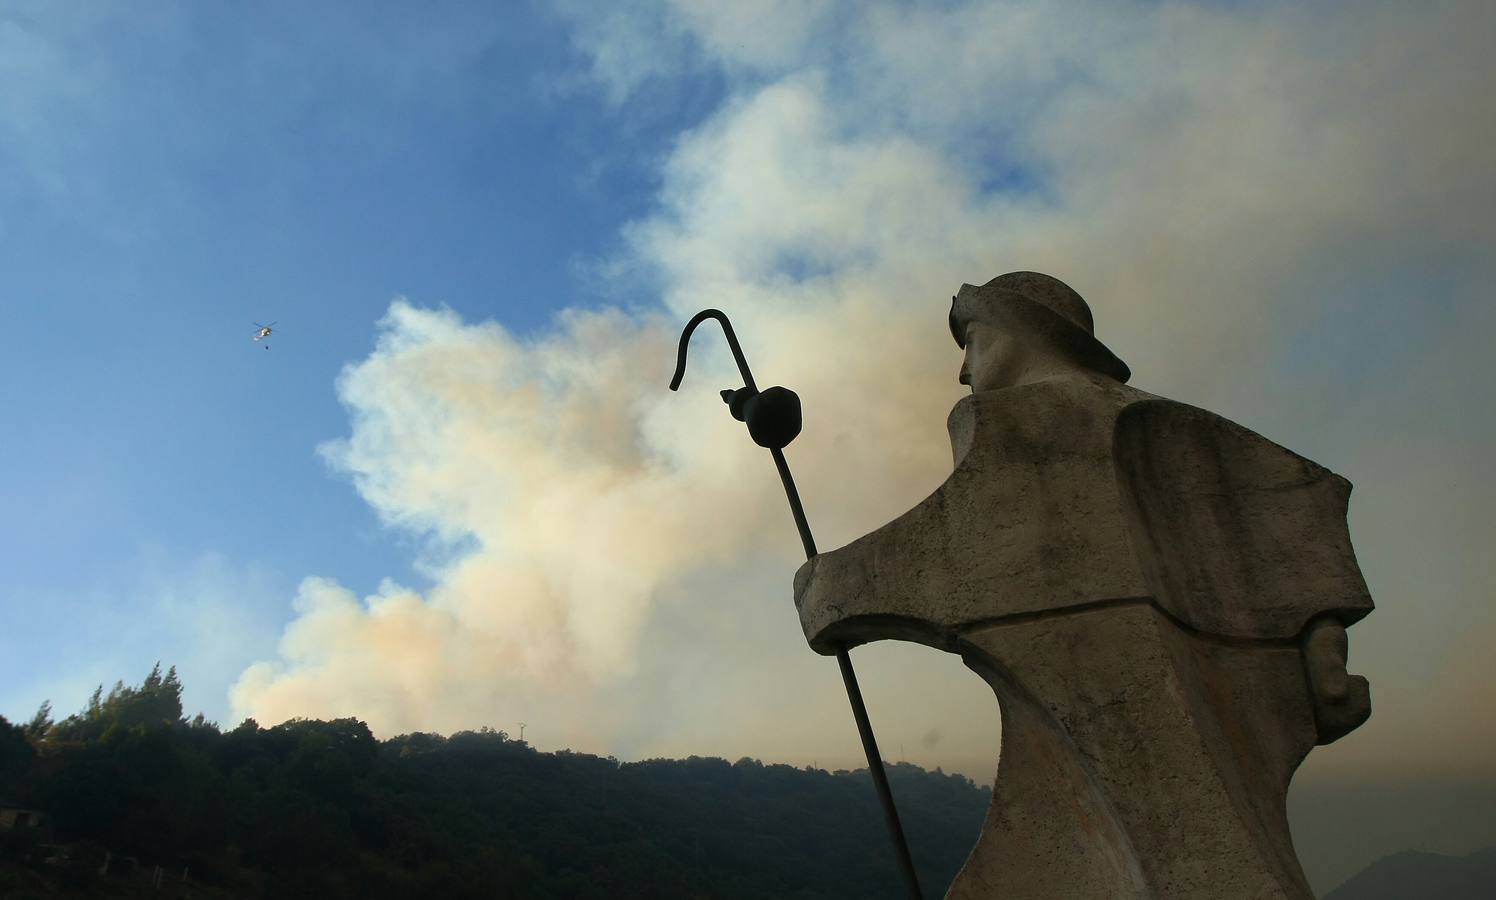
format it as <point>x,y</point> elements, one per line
<point>1238,536</point>
<point>1138,760</point>
<point>1028,522</point>
<point>1157,596</point>
<point>1078,490</point>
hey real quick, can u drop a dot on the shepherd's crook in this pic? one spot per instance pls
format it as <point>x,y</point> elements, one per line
<point>773,419</point>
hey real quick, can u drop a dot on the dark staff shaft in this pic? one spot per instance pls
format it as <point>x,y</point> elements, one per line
<point>854,694</point>
<point>849,678</point>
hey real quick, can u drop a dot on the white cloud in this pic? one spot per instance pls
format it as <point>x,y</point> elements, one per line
<point>542,473</point>
<point>628,45</point>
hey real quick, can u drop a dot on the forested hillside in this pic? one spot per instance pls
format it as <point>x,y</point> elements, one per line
<point>323,809</point>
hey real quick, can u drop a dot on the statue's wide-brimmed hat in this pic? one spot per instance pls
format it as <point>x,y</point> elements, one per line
<point>1043,303</point>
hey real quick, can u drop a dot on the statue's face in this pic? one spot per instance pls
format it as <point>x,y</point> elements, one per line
<point>994,358</point>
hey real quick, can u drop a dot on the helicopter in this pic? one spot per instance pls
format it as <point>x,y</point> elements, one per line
<point>263,332</point>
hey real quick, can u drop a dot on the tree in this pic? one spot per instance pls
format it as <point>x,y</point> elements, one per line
<point>157,701</point>
<point>324,809</point>
<point>16,754</point>
<point>40,723</point>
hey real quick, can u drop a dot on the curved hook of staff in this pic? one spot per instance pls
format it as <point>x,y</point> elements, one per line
<point>772,415</point>
<point>732,341</point>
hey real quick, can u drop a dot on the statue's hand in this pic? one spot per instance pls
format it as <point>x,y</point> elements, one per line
<point>803,578</point>
<point>811,585</point>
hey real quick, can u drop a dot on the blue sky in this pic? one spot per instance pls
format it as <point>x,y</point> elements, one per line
<point>478,505</point>
<point>169,178</point>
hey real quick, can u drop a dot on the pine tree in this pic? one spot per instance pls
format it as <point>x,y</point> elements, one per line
<point>171,696</point>
<point>40,723</point>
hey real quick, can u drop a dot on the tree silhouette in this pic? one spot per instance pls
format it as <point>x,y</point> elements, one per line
<point>323,809</point>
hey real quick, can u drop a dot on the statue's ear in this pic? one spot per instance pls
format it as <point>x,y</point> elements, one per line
<point>1237,536</point>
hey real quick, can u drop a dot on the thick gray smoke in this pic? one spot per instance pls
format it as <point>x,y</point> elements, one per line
<point>1280,214</point>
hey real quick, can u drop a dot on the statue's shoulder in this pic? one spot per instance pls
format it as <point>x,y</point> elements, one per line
<point>1060,416</point>
<point>1237,535</point>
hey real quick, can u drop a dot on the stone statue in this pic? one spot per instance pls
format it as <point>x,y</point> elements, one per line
<point>1157,596</point>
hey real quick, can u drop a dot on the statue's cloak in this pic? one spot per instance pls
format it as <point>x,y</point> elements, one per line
<point>1079,491</point>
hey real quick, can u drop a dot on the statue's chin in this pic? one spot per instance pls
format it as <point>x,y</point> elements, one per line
<point>1338,717</point>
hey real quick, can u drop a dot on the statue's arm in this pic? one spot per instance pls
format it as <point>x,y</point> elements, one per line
<point>823,585</point>
<point>1242,538</point>
<point>1237,536</point>
<point>885,584</point>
